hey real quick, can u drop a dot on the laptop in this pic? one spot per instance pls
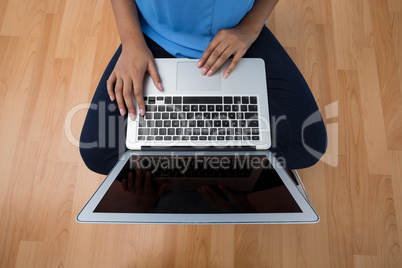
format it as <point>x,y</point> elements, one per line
<point>199,155</point>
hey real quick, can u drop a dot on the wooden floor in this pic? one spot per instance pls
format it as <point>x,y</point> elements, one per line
<point>52,54</point>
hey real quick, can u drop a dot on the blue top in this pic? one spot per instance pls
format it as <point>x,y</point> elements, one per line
<point>185,28</point>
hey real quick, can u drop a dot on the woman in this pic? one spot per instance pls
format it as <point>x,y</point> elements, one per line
<point>212,31</point>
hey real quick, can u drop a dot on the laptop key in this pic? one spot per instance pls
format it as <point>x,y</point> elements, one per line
<point>168,100</point>
<point>227,100</point>
<point>255,131</point>
<point>171,131</point>
<point>250,115</point>
<point>154,131</point>
<point>252,123</point>
<point>177,100</point>
<point>175,123</point>
<point>143,131</point>
<point>253,100</point>
<point>253,108</point>
<point>202,100</point>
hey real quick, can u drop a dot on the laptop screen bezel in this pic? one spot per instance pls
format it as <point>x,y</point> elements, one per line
<point>307,214</point>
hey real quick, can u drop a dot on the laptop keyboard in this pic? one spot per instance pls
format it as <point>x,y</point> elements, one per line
<point>199,118</point>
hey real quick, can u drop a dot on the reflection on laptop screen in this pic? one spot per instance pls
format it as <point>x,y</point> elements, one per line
<point>198,184</point>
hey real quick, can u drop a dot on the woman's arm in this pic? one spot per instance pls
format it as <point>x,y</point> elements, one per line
<point>237,40</point>
<point>135,59</point>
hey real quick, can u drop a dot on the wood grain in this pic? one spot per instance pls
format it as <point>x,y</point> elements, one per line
<point>52,55</point>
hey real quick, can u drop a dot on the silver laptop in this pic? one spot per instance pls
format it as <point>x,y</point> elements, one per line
<point>199,155</point>
<point>201,111</point>
<point>210,187</point>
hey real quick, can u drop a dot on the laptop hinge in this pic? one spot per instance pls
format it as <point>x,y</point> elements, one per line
<point>198,148</point>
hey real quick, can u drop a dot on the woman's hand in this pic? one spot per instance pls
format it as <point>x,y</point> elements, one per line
<point>227,42</point>
<point>128,77</point>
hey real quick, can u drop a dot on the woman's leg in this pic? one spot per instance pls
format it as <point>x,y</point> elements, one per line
<point>103,135</point>
<point>297,130</point>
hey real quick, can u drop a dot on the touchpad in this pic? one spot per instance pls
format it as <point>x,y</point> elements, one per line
<point>189,78</point>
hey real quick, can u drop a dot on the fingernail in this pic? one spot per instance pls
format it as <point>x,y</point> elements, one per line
<point>132,116</point>
<point>210,72</point>
<point>111,98</point>
<point>122,112</point>
<point>203,71</point>
<point>160,86</point>
<point>142,112</point>
<point>199,64</point>
<point>225,75</point>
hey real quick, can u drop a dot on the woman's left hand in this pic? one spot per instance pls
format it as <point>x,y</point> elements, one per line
<point>227,42</point>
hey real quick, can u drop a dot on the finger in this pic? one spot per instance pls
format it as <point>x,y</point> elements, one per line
<point>124,184</point>
<point>206,194</point>
<point>110,86</point>
<point>138,93</point>
<point>153,72</point>
<point>220,61</point>
<point>212,192</point>
<point>148,179</point>
<point>233,64</point>
<point>162,188</point>
<point>228,194</point>
<point>211,47</point>
<point>130,181</point>
<point>138,180</point>
<point>213,58</point>
<point>119,96</point>
<point>128,97</point>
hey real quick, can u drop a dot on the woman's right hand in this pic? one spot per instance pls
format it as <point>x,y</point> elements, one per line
<point>128,77</point>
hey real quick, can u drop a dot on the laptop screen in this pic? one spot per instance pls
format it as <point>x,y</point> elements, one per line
<point>197,184</point>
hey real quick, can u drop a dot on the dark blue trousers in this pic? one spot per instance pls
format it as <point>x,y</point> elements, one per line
<point>298,133</point>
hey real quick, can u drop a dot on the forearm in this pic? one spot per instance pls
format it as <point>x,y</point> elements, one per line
<point>255,19</point>
<point>128,25</point>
